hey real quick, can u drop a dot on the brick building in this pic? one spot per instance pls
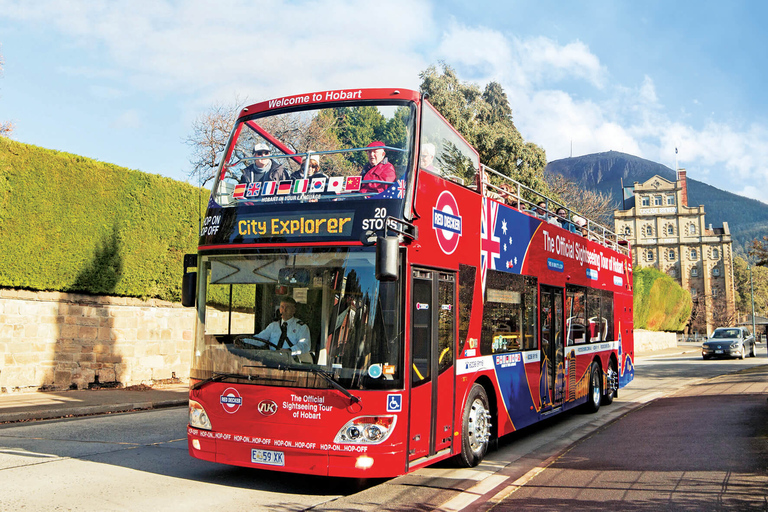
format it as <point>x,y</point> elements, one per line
<point>668,234</point>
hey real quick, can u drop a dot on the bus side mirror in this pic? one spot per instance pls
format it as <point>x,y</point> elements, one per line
<point>386,258</point>
<point>189,281</point>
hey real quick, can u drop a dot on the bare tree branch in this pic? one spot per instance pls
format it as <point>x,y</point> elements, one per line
<point>6,127</point>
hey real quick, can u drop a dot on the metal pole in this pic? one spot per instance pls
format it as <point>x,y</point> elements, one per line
<point>752,296</point>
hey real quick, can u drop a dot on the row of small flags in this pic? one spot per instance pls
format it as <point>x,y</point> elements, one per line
<point>337,184</point>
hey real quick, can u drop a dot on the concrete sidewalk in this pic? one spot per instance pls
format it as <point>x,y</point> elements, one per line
<point>63,404</point>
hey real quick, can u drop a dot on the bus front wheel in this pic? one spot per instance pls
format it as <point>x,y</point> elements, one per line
<point>475,428</point>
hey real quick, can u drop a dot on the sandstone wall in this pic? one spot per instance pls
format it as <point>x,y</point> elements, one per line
<point>651,341</point>
<point>56,341</point>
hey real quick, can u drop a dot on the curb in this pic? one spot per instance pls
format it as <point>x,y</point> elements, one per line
<point>38,415</point>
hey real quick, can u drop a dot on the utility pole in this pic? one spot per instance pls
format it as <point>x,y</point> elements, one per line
<point>752,296</point>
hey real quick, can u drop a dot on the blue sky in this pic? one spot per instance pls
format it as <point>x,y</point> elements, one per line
<point>123,81</point>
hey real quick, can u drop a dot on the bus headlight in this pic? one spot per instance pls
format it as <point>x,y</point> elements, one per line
<point>198,417</point>
<point>366,430</point>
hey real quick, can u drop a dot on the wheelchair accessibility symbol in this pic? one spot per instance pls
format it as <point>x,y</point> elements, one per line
<point>394,403</point>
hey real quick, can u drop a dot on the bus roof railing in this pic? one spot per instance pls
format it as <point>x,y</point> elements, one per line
<point>573,221</point>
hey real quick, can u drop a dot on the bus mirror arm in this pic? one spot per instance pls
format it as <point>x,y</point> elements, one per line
<point>189,281</point>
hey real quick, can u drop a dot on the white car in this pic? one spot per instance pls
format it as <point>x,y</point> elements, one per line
<point>729,342</point>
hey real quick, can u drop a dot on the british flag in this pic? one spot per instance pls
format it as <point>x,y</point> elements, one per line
<point>490,246</point>
<point>253,190</point>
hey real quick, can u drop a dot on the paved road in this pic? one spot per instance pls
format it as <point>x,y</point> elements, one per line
<point>138,461</point>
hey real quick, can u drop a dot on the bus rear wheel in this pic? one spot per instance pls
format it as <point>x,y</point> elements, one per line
<point>611,379</point>
<point>475,428</point>
<point>595,389</point>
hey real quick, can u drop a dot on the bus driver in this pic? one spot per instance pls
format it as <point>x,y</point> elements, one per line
<point>288,332</point>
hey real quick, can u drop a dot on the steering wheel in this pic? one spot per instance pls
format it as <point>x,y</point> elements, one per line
<point>250,338</point>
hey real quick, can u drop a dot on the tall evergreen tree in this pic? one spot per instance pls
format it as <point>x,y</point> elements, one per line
<point>485,120</point>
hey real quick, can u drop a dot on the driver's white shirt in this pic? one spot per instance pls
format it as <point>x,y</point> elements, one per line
<point>298,334</point>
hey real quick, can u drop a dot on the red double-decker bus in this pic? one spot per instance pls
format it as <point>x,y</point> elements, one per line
<point>372,299</point>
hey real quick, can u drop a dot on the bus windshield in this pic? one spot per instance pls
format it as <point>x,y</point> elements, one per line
<point>320,154</point>
<point>286,316</point>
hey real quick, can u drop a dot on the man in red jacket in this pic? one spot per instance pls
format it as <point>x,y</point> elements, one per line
<point>378,168</point>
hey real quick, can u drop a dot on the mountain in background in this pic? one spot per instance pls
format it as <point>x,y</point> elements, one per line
<point>603,172</point>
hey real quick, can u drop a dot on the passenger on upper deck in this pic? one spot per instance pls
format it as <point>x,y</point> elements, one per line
<point>378,168</point>
<point>313,170</point>
<point>427,156</point>
<point>264,169</point>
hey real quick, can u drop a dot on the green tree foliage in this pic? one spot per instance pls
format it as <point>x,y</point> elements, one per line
<point>74,224</point>
<point>759,250</point>
<point>744,290</point>
<point>485,120</point>
<point>660,303</point>
<point>357,127</point>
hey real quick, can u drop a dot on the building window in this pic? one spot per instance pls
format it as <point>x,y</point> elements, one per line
<point>646,201</point>
<point>693,292</point>
<point>649,230</point>
<point>672,272</point>
<point>672,255</point>
<point>715,254</point>
<point>670,230</point>
<point>657,201</point>
<point>627,230</point>
<point>714,292</point>
<point>649,255</point>
<point>692,228</point>
<point>716,271</point>
<point>694,273</point>
<point>670,200</point>
<point>694,254</point>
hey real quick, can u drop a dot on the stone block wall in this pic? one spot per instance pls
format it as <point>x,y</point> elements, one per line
<point>57,341</point>
<point>651,341</point>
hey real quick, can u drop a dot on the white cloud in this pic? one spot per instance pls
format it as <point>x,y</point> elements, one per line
<point>199,52</point>
<point>195,47</point>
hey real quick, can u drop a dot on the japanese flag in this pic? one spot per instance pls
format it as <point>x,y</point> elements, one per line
<point>336,184</point>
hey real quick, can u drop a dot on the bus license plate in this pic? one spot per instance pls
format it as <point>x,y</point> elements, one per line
<point>268,457</point>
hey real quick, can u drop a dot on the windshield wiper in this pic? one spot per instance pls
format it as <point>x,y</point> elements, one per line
<point>217,376</point>
<point>329,378</point>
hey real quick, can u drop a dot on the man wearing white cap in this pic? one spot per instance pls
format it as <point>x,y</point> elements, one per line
<point>264,169</point>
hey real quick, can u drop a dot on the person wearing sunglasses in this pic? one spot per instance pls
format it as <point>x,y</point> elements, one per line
<point>264,169</point>
<point>313,169</point>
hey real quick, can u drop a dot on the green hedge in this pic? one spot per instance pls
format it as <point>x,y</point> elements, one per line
<point>71,223</point>
<point>660,303</point>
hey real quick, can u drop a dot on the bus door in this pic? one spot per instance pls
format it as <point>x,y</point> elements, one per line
<point>433,338</point>
<point>552,384</point>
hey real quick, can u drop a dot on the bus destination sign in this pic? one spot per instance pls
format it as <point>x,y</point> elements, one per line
<point>292,225</point>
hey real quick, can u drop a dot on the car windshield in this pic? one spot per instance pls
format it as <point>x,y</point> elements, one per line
<point>725,333</point>
<point>318,155</point>
<point>296,317</point>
